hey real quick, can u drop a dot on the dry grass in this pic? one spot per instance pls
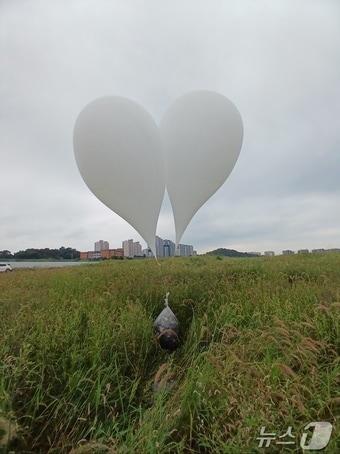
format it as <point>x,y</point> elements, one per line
<point>79,364</point>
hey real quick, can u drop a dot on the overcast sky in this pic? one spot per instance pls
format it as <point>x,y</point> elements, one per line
<point>278,61</point>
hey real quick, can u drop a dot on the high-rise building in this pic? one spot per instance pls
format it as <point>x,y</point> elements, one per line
<point>101,245</point>
<point>169,248</point>
<point>132,248</point>
<point>137,249</point>
<point>164,248</point>
<point>184,250</point>
<point>159,247</point>
<point>303,251</point>
<point>128,248</point>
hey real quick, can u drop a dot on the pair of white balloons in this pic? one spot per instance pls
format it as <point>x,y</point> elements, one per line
<point>127,161</point>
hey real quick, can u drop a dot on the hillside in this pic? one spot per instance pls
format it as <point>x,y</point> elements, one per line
<point>79,363</point>
<point>229,253</point>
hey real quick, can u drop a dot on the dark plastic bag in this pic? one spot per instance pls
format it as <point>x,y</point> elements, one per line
<point>167,328</point>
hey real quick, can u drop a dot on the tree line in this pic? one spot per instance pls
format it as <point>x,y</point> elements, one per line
<point>63,253</point>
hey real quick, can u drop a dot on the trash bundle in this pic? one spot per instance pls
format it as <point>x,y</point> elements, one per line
<point>167,328</point>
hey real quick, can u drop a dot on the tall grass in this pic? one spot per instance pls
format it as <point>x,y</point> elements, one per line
<point>259,348</point>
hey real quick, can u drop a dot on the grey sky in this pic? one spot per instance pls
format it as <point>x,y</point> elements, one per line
<point>278,61</point>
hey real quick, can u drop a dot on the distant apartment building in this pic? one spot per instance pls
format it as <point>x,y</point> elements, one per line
<point>269,253</point>
<point>119,252</point>
<point>169,248</point>
<point>324,251</point>
<point>101,245</point>
<point>159,244</point>
<point>132,249</point>
<point>127,246</point>
<point>303,251</point>
<point>255,254</point>
<point>104,254</point>
<point>164,248</point>
<point>184,250</point>
<point>288,252</point>
<point>111,253</point>
<point>84,256</point>
<point>94,255</point>
<point>137,249</point>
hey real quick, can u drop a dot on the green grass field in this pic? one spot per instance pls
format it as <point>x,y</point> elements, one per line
<point>79,360</point>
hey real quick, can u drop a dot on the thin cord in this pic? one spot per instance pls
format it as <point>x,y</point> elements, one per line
<point>163,280</point>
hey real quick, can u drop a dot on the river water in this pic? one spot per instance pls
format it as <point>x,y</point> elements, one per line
<point>37,264</point>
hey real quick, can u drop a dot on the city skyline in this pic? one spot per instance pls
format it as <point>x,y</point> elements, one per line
<point>167,248</point>
<point>132,249</point>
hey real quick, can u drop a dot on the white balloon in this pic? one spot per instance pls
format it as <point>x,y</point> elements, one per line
<point>202,136</point>
<point>117,147</point>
